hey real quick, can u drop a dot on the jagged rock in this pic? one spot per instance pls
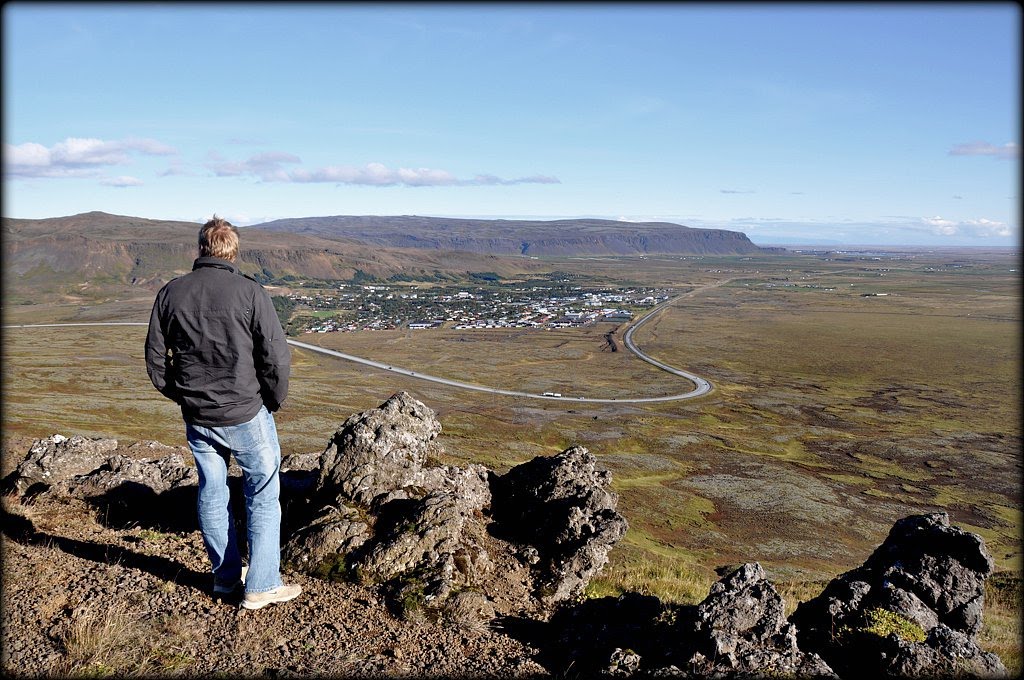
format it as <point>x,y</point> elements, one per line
<point>378,451</point>
<point>414,529</point>
<point>321,545</point>
<point>623,663</point>
<point>305,462</point>
<point>930,575</point>
<point>426,538</point>
<point>56,459</point>
<point>116,472</point>
<point>425,526</point>
<point>562,506</point>
<point>945,653</point>
<point>159,493</point>
<point>428,533</point>
<point>741,628</point>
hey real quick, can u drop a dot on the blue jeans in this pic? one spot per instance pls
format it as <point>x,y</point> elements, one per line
<point>256,449</point>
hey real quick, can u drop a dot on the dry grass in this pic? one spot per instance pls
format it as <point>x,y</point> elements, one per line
<point>102,642</point>
<point>1004,610</point>
<point>677,583</point>
<point>115,642</point>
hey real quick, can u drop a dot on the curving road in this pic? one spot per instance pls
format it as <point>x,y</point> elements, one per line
<point>701,386</point>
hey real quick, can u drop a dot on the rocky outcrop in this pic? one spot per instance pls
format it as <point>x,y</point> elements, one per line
<point>120,472</point>
<point>379,452</point>
<point>562,508</point>
<point>741,628</point>
<point>387,510</point>
<point>56,459</point>
<point>916,603</point>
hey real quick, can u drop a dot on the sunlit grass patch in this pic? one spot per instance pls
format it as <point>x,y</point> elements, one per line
<point>1001,631</point>
<point>856,480</point>
<point>882,468</point>
<point>673,581</point>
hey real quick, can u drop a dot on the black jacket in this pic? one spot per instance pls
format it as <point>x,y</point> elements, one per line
<point>215,345</point>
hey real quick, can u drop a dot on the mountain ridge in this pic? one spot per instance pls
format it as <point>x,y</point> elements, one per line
<point>562,237</point>
<point>57,255</point>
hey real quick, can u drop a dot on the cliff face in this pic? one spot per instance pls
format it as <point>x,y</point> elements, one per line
<point>523,237</point>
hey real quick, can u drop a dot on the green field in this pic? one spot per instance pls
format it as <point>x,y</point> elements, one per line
<point>834,413</point>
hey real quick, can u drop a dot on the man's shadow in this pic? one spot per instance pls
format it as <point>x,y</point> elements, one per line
<point>135,505</point>
<point>20,529</point>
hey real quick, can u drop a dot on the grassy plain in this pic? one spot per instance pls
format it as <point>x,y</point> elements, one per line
<point>850,391</point>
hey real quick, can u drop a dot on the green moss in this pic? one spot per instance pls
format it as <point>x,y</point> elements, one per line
<point>410,597</point>
<point>883,623</point>
<point>334,568</point>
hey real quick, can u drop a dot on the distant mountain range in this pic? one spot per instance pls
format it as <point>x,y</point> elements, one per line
<point>98,251</point>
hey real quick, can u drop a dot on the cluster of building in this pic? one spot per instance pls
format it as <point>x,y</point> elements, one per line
<point>381,307</point>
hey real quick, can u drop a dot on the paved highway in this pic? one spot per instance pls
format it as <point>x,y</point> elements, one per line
<point>701,386</point>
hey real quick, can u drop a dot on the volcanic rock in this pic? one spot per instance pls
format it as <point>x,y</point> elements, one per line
<point>927,579</point>
<point>741,628</point>
<point>378,451</point>
<point>55,459</point>
<point>563,507</point>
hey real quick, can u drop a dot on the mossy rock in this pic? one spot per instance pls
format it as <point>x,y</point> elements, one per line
<point>883,623</point>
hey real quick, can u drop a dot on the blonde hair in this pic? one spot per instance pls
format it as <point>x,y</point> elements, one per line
<point>218,238</point>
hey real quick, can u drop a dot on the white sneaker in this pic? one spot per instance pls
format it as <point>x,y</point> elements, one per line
<point>279,594</point>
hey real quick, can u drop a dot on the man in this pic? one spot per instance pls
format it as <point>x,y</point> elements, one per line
<point>215,346</point>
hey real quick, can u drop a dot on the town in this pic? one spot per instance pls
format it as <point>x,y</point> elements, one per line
<point>365,307</point>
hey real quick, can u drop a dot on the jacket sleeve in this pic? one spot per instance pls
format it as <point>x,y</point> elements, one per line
<point>271,353</point>
<point>159,364</point>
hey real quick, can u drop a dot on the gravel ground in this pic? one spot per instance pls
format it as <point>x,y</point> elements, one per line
<point>80,598</point>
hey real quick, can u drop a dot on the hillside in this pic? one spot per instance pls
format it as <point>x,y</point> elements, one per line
<point>98,253</point>
<point>522,237</point>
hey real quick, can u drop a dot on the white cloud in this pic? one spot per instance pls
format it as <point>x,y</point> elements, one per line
<point>88,151</point>
<point>122,181</point>
<point>976,228</point>
<point>373,174</point>
<point>987,228</point>
<point>1007,151</point>
<point>736,191</point>
<point>29,154</point>
<point>268,168</point>
<point>76,156</point>
<point>941,226</point>
<point>150,147</point>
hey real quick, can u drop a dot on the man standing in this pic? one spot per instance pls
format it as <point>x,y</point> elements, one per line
<point>215,346</point>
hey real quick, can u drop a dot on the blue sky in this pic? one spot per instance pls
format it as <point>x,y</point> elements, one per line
<point>855,124</point>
